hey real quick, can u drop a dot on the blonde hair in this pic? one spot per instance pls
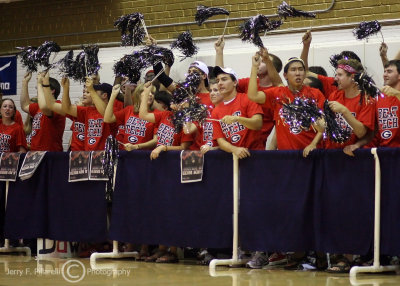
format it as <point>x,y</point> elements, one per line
<point>137,96</point>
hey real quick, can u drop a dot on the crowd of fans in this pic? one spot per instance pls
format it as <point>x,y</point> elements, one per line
<point>243,114</point>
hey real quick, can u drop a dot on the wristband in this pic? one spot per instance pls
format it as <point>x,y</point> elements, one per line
<point>162,78</point>
<point>45,85</point>
<point>166,148</point>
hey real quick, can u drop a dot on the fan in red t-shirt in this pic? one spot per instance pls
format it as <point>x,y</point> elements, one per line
<point>96,131</point>
<point>47,126</point>
<point>328,83</point>
<point>293,138</point>
<point>167,138</point>
<point>267,76</point>
<point>12,136</point>
<point>237,119</point>
<point>138,133</point>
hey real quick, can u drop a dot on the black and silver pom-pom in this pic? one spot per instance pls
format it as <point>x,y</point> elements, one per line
<point>366,29</point>
<point>27,56</point>
<point>285,10</point>
<point>185,44</point>
<point>333,130</point>
<point>109,162</point>
<point>204,12</point>
<point>43,52</point>
<point>301,113</point>
<point>92,60</point>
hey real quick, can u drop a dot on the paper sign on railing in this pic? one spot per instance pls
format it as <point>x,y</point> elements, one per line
<point>9,166</point>
<point>31,162</point>
<point>192,163</point>
<point>78,166</point>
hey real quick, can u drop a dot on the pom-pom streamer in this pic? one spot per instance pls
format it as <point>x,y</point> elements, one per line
<point>184,43</point>
<point>250,29</point>
<point>366,84</point>
<point>285,10</point>
<point>333,131</point>
<point>301,113</point>
<point>366,29</point>
<point>109,161</point>
<point>204,12</point>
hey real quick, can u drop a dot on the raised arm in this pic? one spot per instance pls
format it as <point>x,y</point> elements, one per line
<point>98,102</point>
<point>25,100</point>
<point>109,116</point>
<point>144,106</point>
<point>272,72</point>
<point>219,51</point>
<point>48,96</point>
<point>163,78</point>
<point>307,37</point>
<point>252,92</point>
<point>66,105</point>
<point>383,53</point>
<point>41,99</point>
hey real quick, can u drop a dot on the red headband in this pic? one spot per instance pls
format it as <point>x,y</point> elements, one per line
<point>347,68</point>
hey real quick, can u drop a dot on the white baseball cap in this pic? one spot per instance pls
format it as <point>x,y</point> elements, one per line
<point>201,66</point>
<point>218,70</point>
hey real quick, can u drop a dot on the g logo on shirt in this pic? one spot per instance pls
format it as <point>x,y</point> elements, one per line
<point>295,130</point>
<point>386,134</point>
<point>81,137</point>
<point>92,141</point>
<point>235,138</point>
<point>33,133</point>
<point>132,139</point>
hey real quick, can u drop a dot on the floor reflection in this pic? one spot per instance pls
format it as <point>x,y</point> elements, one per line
<point>21,270</point>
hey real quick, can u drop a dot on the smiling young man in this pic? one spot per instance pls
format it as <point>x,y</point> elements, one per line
<point>239,118</point>
<point>387,107</point>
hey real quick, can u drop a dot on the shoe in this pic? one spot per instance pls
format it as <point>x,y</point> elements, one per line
<point>277,258</point>
<point>169,257</point>
<point>343,265</point>
<point>258,260</point>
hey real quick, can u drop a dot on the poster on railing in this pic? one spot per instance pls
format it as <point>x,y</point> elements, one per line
<point>30,164</point>
<point>96,172</point>
<point>78,166</point>
<point>9,166</point>
<point>192,163</point>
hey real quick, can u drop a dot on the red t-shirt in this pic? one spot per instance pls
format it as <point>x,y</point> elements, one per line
<point>364,112</point>
<point>136,130</point>
<point>47,132</point>
<point>291,138</point>
<point>237,134</point>
<point>96,131</point>
<point>387,114</point>
<point>268,118</point>
<point>203,136</point>
<point>166,131</point>
<point>12,137</point>
<point>78,134</point>
<point>205,99</point>
<point>328,85</point>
